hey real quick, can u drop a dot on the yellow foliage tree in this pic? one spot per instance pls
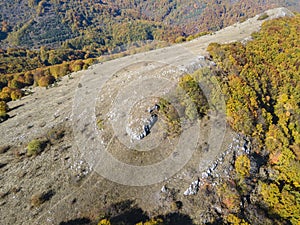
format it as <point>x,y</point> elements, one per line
<point>242,166</point>
<point>234,220</point>
<point>104,222</point>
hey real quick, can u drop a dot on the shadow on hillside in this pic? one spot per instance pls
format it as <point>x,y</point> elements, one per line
<point>128,213</point>
<point>125,212</point>
<point>177,218</point>
<point>79,221</point>
<point>16,107</point>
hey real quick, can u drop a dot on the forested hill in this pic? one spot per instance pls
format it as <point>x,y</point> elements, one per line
<point>86,23</point>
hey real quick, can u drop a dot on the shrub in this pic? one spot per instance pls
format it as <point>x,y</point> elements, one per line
<point>263,16</point>
<point>35,147</point>
<point>170,115</point>
<point>242,165</point>
<point>3,116</point>
<point>191,112</point>
<point>229,196</point>
<point>16,94</point>
<point>3,106</point>
<point>76,66</point>
<point>87,63</point>
<point>100,124</point>
<point>45,81</point>
<point>6,90</point>
<point>3,111</point>
<point>180,39</point>
<point>192,97</point>
<point>234,220</point>
<point>37,75</point>
<point>41,197</point>
<point>15,84</point>
<point>104,222</point>
<point>191,37</point>
<point>59,70</point>
<point>29,78</point>
<point>5,96</point>
<point>36,200</point>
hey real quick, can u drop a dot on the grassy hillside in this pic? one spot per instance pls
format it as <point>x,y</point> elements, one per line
<point>260,80</point>
<point>65,35</point>
<point>261,83</point>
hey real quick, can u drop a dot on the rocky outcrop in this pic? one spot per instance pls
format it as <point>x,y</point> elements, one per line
<point>153,119</point>
<point>193,188</point>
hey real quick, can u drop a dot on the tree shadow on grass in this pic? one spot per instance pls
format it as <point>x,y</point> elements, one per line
<point>78,221</point>
<point>126,213</point>
<point>16,107</point>
<point>176,219</point>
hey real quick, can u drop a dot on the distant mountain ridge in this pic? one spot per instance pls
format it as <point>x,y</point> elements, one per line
<point>36,23</point>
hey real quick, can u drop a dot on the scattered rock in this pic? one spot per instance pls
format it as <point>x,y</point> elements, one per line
<point>164,189</point>
<point>204,175</point>
<point>42,124</point>
<point>218,209</point>
<point>205,147</point>
<point>30,126</point>
<point>81,169</point>
<point>193,188</point>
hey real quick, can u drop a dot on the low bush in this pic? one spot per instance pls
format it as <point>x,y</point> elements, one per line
<point>104,222</point>
<point>76,66</point>
<point>169,114</point>
<point>242,166</point>
<point>234,220</point>
<point>45,81</point>
<point>41,197</point>
<point>5,96</point>
<point>3,111</point>
<point>55,134</point>
<point>263,16</point>
<point>16,94</point>
<point>180,39</point>
<point>192,97</point>
<point>35,147</point>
